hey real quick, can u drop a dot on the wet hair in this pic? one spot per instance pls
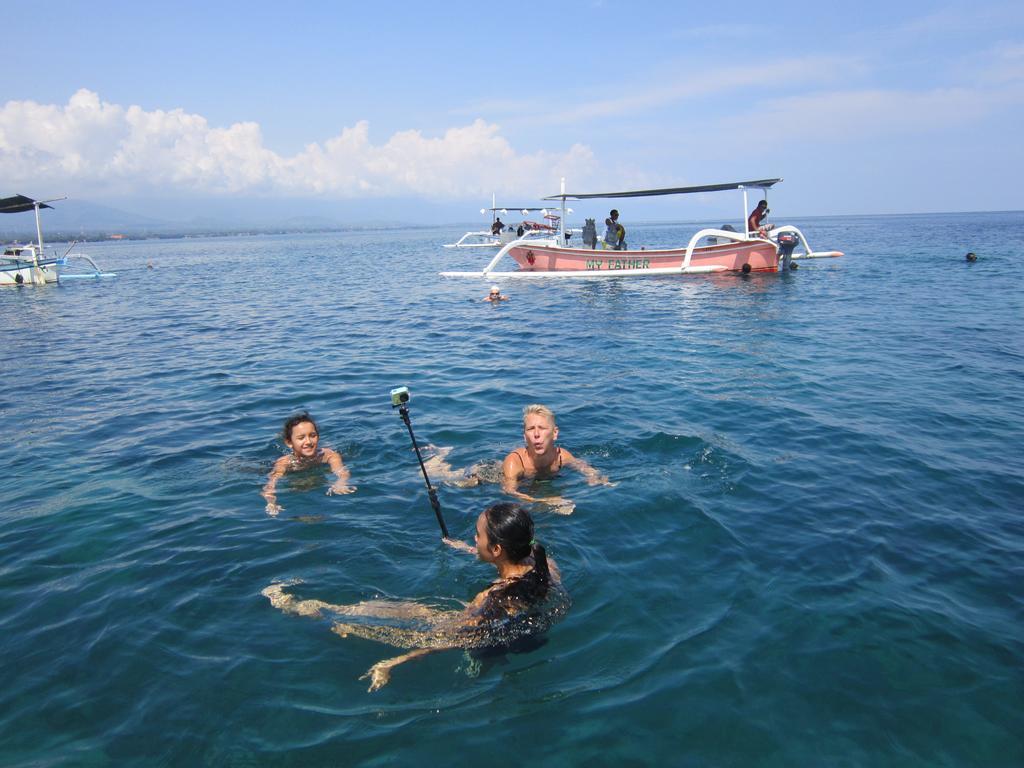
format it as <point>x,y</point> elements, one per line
<point>511,526</point>
<point>294,421</point>
<point>764,203</point>
<point>539,410</point>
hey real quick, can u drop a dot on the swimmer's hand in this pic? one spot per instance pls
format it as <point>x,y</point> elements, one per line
<point>379,675</point>
<point>559,505</point>
<point>340,487</point>
<point>459,545</point>
<point>273,508</point>
<point>600,480</point>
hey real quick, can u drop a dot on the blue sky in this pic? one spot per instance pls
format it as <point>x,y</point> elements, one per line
<point>882,108</point>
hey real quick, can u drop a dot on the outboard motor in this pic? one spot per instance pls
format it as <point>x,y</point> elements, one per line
<point>589,234</point>
<point>787,242</point>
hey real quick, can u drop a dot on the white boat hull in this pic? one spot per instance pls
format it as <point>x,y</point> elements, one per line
<point>25,273</point>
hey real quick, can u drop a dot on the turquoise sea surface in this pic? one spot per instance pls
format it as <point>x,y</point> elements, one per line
<point>813,556</point>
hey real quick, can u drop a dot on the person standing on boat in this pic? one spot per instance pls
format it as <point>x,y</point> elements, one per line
<point>497,226</point>
<point>615,234</point>
<point>757,216</point>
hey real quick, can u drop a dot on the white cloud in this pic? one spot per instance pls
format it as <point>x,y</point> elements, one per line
<point>684,84</point>
<point>1003,64</point>
<point>850,118</point>
<point>92,145</point>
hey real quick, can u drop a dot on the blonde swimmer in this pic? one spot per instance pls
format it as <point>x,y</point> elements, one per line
<point>541,458</point>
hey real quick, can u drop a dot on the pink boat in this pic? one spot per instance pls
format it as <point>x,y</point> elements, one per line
<point>751,256</point>
<point>709,250</point>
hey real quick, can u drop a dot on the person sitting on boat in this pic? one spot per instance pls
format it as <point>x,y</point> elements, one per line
<point>497,226</point>
<point>757,216</point>
<point>541,459</point>
<point>495,295</point>
<point>509,615</point>
<point>615,234</point>
<point>303,437</point>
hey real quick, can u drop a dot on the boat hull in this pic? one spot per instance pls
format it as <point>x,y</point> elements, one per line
<point>761,255</point>
<point>26,273</point>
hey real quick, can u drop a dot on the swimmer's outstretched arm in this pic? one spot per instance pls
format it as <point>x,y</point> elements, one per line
<point>269,493</point>
<point>594,477</point>
<point>333,460</point>
<point>559,504</point>
<point>461,546</point>
<point>379,674</point>
<point>512,473</point>
<point>452,635</point>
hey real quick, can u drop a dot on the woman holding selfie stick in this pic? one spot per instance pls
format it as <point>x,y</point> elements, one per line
<point>513,608</point>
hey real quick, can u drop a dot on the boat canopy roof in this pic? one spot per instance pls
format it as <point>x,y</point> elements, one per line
<point>19,204</point>
<point>514,208</point>
<point>758,184</point>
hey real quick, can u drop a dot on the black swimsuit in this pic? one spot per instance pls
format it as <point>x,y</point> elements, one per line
<point>514,617</point>
<point>556,470</point>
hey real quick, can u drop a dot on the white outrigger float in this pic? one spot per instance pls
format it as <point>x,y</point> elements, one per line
<point>28,264</point>
<point>708,251</point>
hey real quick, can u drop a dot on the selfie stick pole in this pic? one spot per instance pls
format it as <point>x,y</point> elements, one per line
<point>404,410</point>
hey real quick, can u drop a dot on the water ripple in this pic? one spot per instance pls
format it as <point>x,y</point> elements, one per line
<point>811,554</point>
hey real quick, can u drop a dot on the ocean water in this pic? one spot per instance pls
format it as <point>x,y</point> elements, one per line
<point>813,553</point>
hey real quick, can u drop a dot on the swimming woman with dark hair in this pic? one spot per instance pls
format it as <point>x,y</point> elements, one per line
<point>513,607</point>
<point>302,435</point>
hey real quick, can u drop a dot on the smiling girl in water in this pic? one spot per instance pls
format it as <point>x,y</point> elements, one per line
<point>303,437</point>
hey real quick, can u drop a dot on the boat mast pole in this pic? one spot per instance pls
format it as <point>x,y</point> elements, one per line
<point>561,221</point>
<point>743,213</point>
<point>37,275</point>
<point>39,227</point>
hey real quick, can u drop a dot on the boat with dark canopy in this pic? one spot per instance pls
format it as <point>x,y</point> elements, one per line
<point>28,264</point>
<point>710,250</point>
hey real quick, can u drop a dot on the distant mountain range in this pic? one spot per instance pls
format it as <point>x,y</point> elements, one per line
<point>85,219</point>
<point>149,217</point>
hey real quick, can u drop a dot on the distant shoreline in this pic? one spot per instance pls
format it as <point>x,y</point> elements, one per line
<point>109,236</point>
